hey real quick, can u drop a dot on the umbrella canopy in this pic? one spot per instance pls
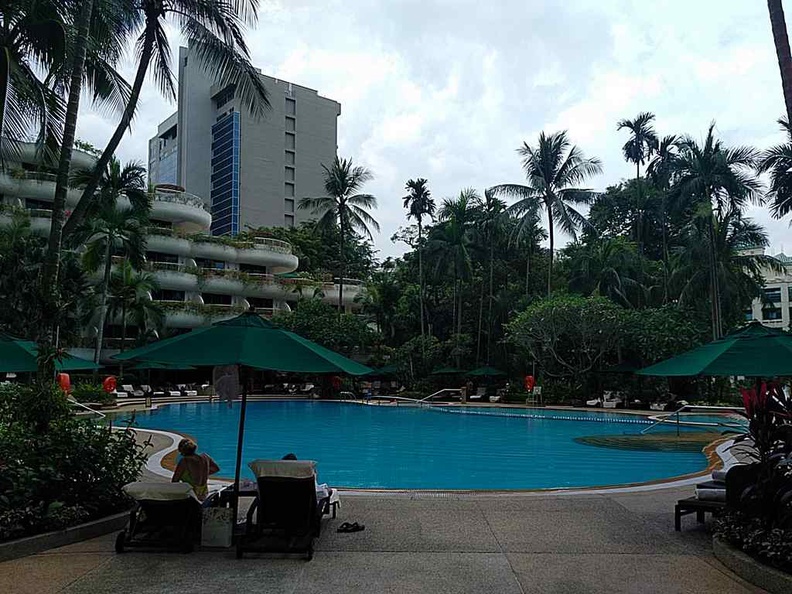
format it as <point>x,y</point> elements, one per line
<point>388,370</point>
<point>21,356</point>
<point>246,340</point>
<point>487,371</point>
<point>448,371</point>
<point>155,365</point>
<point>752,351</point>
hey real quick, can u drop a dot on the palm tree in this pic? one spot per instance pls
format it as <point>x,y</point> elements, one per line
<point>492,213</point>
<point>419,203</point>
<point>777,161</point>
<point>129,298</point>
<point>605,267</point>
<point>740,275</point>
<point>113,227</point>
<point>343,207</point>
<point>214,34</point>
<point>781,39</point>
<point>713,180</point>
<point>451,240</point>
<point>638,149</point>
<point>553,170</point>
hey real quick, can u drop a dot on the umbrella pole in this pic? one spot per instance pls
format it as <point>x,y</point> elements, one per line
<point>243,409</point>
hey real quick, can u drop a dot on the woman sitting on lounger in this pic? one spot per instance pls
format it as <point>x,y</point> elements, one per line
<point>194,469</point>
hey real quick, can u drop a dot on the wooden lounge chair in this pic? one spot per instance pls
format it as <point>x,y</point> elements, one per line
<point>716,495</point>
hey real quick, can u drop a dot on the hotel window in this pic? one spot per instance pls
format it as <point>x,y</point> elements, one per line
<point>167,295</point>
<point>216,299</point>
<point>290,124</point>
<point>772,295</point>
<point>748,313</point>
<point>771,313</point>
<point>291,107</point>
<point>289,159</point>
<point>288,190</point>
<point>288,220</point>
<point>290,205</point>
<point>289,173</point>
<point>290,142</point>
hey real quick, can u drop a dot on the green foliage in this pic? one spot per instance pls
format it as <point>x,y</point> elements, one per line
<point>653,334</point>
<point>21,261</point>
<point>320,322</point>
<point>58,470</point>
<point>771,546</point>
<point>568,335</point>
<point>89,392</point>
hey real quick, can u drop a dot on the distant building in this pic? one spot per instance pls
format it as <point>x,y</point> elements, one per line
<point>773,309</point>
<point>254,171</point>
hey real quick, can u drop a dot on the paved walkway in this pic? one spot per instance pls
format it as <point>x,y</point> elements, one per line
<point>433,544</point>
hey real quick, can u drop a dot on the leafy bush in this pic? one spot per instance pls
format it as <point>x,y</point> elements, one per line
<point>90,392</point>
<point>57,470</point>
<point>771,546</point>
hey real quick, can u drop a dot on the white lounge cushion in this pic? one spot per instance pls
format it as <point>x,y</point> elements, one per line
<point>159,491</point>
<point>711,494</point>
<point>297,469</point>
<point>720,475</point>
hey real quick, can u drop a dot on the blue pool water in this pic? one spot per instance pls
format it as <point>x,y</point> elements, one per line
<point>419,448</point>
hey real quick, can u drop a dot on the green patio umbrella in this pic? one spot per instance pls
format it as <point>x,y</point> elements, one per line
<point>21,356</point>
<point>487,371</point>
<point>143,365</point>
<point>250,342</point>
<point>388,370</point>
<point>448,371</point>
<point>753,351</point>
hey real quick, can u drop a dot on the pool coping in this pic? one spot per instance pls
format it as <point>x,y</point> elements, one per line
<point>162,463</point>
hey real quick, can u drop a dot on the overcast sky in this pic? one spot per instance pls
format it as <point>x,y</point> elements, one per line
<point>448,89</point>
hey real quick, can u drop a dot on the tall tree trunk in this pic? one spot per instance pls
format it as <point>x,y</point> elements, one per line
<point>527,269</point>
<point>421,278</point>
<point>4,74</point>
<point>714,296</point>
<point>79,212</point>
<point>480,320</point>
<point>639,230</point>
<point>123,334</point>
<point>665,249</point>
<point>491,297</point>
<point>550,235</point>
<point>781,39</point>
<point>343,268</point>
<point>103,304</point>
<point>49,276</point>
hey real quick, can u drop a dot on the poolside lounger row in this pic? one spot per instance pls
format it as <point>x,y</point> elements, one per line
<point>724,490</point>
<point>130,391</point>
<point>285,516</point>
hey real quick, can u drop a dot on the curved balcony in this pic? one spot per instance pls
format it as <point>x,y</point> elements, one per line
<point>174,277</point>
<point>186,211</point>
<point>212,248</point>
<point>164,240</point>
<point>35,185</point>
<point>352,288</point>
<point>191,315</point>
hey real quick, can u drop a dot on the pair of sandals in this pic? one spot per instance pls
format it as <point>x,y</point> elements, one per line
<point>353,527</point>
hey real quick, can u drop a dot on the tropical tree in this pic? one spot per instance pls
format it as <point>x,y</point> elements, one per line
<point>553,169</point>
<point>739,274</point>
<point>714,182</point>
<point>492,219</point>
<point>660,170</point>
<point>129,300</point>
<point>450,241</point>
<point>606,267</point>
<point>777,161</point>
<point>343,207</point>
<point>214,32</point>
<point>638,149</point>
<point>419,204</point>
<point>115,227</point>
<point>781,40</point>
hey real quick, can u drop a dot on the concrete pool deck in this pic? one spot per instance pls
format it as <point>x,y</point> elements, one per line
<point>426,543</point>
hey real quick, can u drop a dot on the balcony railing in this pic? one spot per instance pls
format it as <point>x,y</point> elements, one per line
<point>32,175</point>
<point>273,245</point>
<point>178,197</point>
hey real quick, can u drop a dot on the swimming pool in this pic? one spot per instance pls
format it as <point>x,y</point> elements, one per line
<point>389,447</point>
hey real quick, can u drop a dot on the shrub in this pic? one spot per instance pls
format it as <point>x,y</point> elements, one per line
<point>57,470</point>
<point>90,392</point>
<point>772,546</point>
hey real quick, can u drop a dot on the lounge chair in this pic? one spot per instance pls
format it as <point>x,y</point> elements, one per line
<point>187,390</point>
<point>166,516</point>
<point>480,393</point>
<point>724,490</point>
<point>151,392</point>
<point>285,516</point>
<point>172,393</point>
<point>131,391</point>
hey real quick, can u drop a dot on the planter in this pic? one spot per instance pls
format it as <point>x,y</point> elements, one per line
<point>761,575</point>
<point>30,545</point>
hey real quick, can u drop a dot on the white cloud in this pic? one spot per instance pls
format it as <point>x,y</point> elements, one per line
<point>448,89</point>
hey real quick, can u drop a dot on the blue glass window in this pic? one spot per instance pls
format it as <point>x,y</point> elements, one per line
<point>225,175</point>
